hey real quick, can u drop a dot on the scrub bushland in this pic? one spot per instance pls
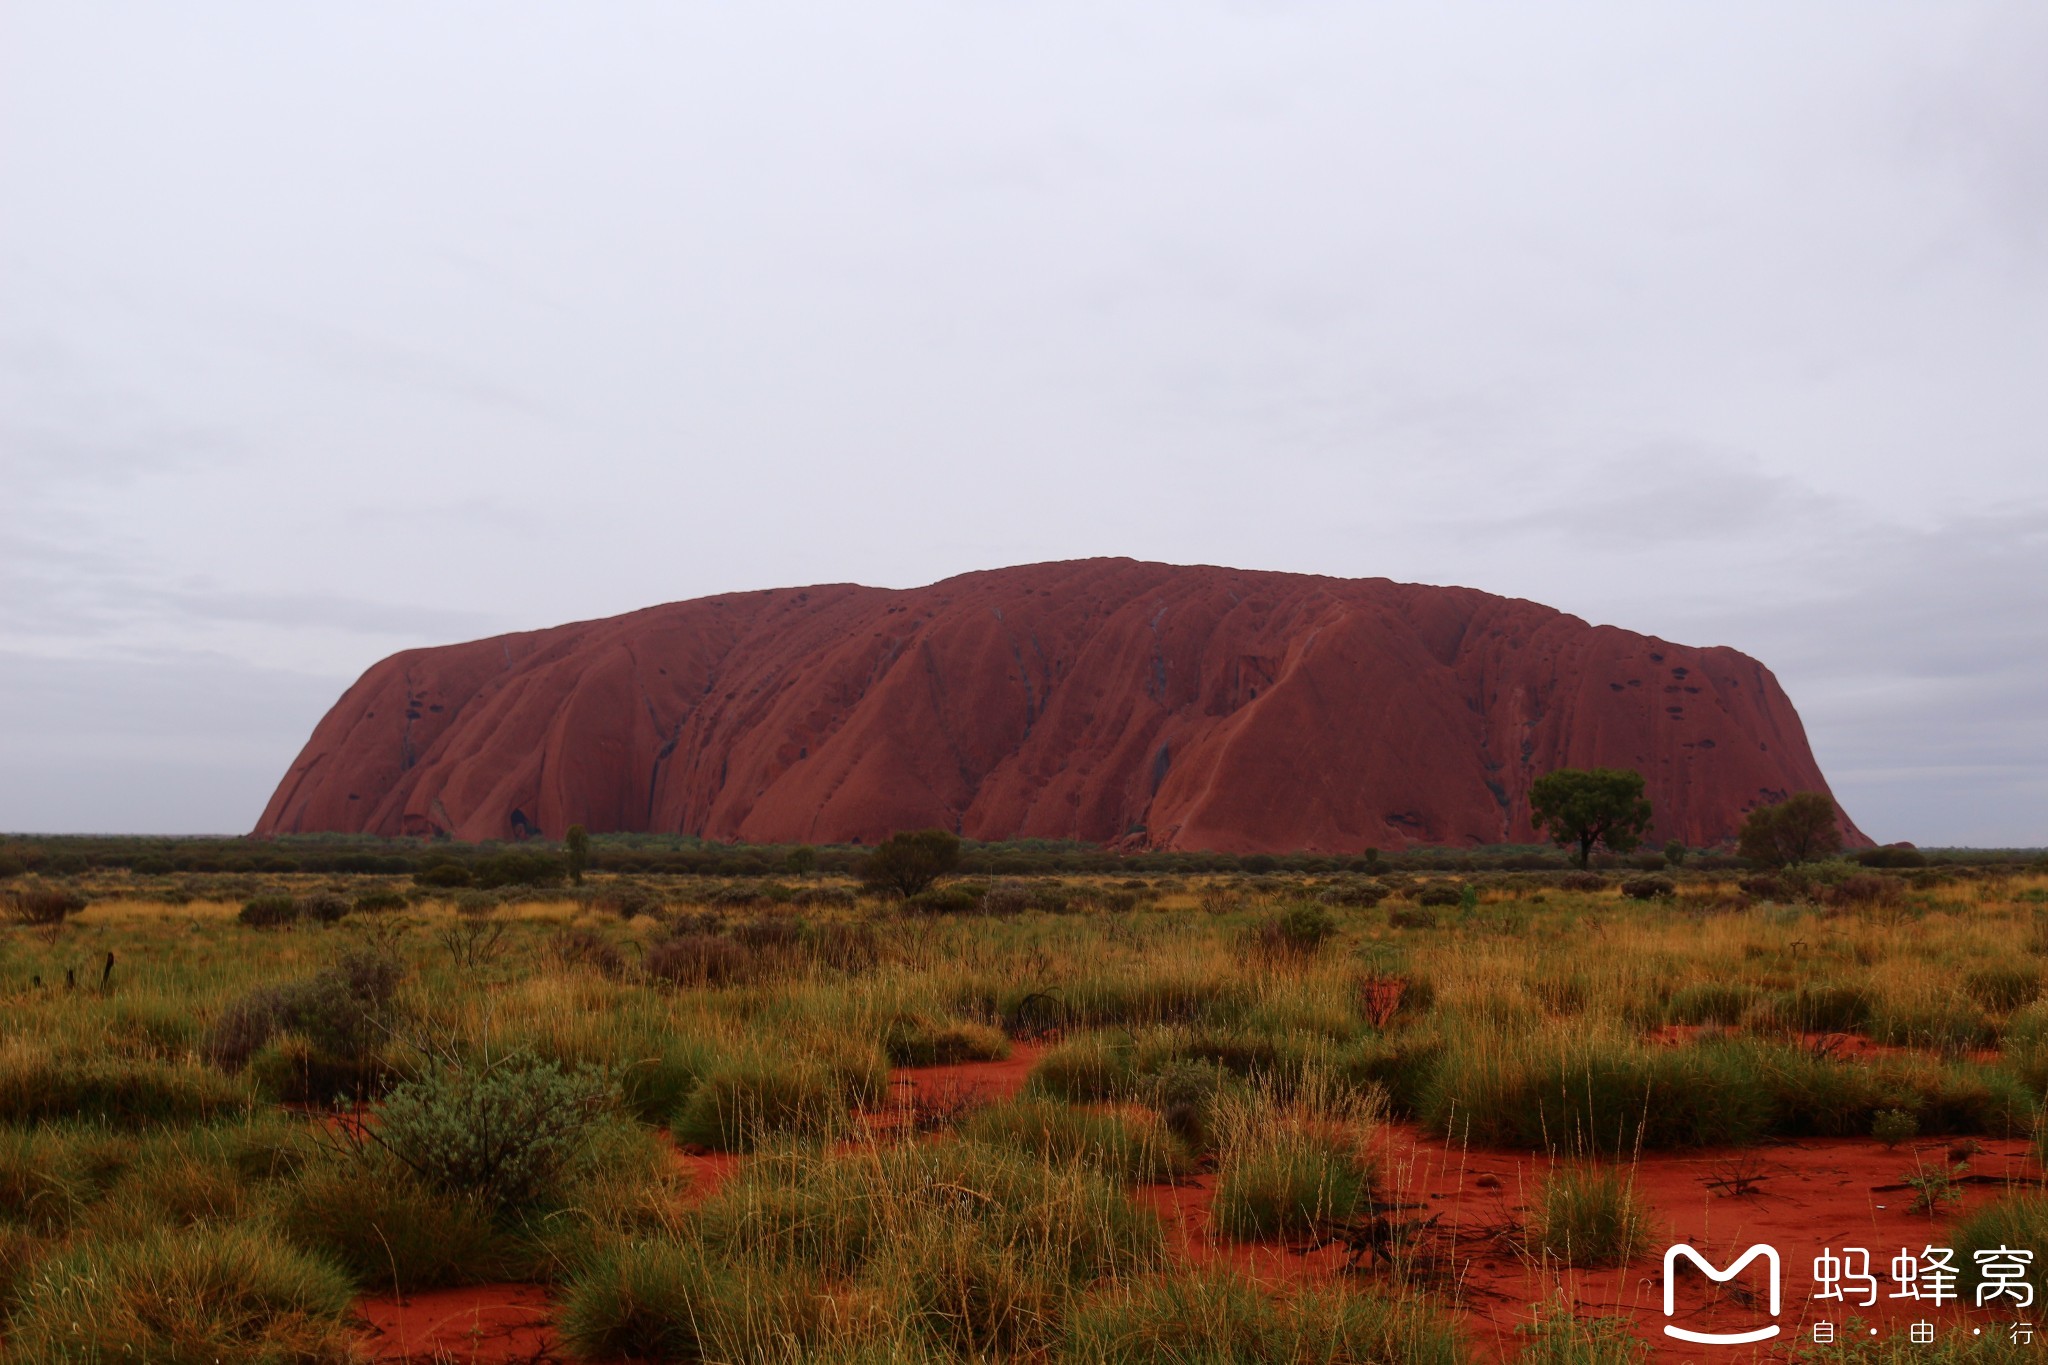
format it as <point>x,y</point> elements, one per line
<point>217,1130</point>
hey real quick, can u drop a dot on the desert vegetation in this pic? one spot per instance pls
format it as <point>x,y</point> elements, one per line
<point>690,1108</point>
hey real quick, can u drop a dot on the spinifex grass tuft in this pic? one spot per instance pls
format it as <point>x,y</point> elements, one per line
<point>663,1300</point>
<point>237,1296</point>
<point>1216,1317</point>
<point>1129,1144</point>
<point>1291,1168</point>
<point>743,1102</point>
<point>1587,1215</point>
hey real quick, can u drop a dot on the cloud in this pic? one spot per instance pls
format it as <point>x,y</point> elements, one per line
<point>1918,659</point>
<point>371,329</point>
<point>169,744</point>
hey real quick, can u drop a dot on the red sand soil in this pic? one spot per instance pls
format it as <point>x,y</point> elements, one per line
<point>707,1170</point>
<point>1807,1196</point>
<point>497,1324</point>
<point>1078,700</point>
<point>512,1324</point>
<point>966,1082</point>
<point>1801,1196</point>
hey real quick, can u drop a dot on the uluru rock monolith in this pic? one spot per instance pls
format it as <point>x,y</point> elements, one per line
<point>1103,700</point>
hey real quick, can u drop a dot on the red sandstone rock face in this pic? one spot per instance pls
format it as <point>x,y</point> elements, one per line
<point>1210,708</point>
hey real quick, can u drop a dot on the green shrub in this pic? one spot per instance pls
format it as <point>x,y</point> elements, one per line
<point>390,1230</point>
<point>20,1251</point>
<point>232,1295</point>
<point>1403,1066</point>
<point>1439,895</point>
<point>1649,888</point>
<point>743,1101</point>
<point>924,1040</point>
<point>1598,1097</point>
<point>1243,1051</point>
<point>292,1070</point>
<point>1134,1146</point>
<point>44,904</point>
<point>324,907</point>
<point>907,863</point>
<point>697,959</point>
<point>1589,1216</point>
<point>1084,1069</point>
<point>1286,1181</point>
<point>1217,1317</point>
<point>379,902</point>
<point>270,912</point>
<point>654,1084</point>
<point>668,1301</point>
<point>1951,1026</point>
<point>838,1213</point>
<point>1891,857</point>
<point>502,1131</point>
<point>43,1184</point>
<point>520,867</point>
<point>1299,931</point>
<point>343,1012</point>
<point>1831,1008</point>
<point>2017,1220</point>
<point>178,1179</point>
<point>1356,895</point>
<point>1894,1126</point>
<point>1863,890</point>
<point>2005,988</point>
<point>1562,1334</point>
<point>443,877</point>
<point>1185,1094</point>
<point>944,900</point>
<point>117,1092</point>
<point>1710,1002</point>
<point>972,1298</point>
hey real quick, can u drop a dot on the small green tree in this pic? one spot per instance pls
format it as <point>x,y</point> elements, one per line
<point>1800,829</point>
<point>910,862</point>
<point>802,861</point>
<point>577,841</point>
<point>1588,806</point>
<point>1674,852</point>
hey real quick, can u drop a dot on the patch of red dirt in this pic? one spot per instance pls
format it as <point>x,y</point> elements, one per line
<point>493,1324</point>
<point>1184,1207</point>
<point>925,1099</point>
<point>1802,1197</point>
<point>984,1081</point>
<point>707,1170</point>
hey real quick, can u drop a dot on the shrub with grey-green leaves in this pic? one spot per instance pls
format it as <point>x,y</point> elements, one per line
<point>504,1131</point>
<point>44,905</point>
<point>343,1010</point>
<point>1297,932</point>
<point>270,912</point>
<point>325,907</point>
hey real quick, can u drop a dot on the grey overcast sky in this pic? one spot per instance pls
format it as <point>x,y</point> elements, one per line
<point>327,330</point>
